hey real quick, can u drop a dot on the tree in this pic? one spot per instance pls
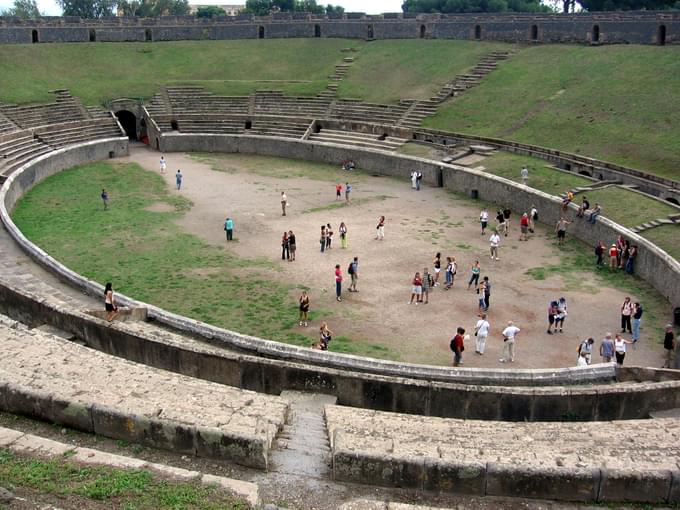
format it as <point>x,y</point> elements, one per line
<point>151,8</point>
<point>264,7</point>
<point>456,6</point>
<point>210,11</point>
<point>87,8</point>
<point>24,9</point>
<point>334,9</point>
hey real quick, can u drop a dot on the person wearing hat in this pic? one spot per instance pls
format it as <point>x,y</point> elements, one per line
<point>669,346</point>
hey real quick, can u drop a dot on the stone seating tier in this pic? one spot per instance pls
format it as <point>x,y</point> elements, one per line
<point>19,149</point>
<point>390,143</point>
<point>53,379</point>
<point>60,136</point>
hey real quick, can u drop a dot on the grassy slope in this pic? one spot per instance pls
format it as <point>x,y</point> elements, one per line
<point>148,257</point>
<point>386,71</point>
<point>617,103</point>
<point>100,71</point>
<point>666,237</point>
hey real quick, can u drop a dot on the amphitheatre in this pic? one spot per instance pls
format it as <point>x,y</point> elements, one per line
<point>206,377</point>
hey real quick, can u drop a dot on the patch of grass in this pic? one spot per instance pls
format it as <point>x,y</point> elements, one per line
<point>508,165</point>
<point>421,151</point>
<point>118,488</point>
<point>99,72</point>
<point>628,208</point>
<point>355,202</point>
<point>149,257</point>
<point>614,103</point>
<point>666,237</point>
<point>386,71</point>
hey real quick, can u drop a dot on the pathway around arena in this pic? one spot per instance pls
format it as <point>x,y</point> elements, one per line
<point>418,225</point>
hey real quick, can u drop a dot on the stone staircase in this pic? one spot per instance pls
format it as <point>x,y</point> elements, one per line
<point>6,125</point>
<point>370,141</point>
<point>671,219</point>
<point>339,74</point>
<point>420,109</point>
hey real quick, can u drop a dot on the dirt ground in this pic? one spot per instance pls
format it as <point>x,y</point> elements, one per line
<point>418,224</point>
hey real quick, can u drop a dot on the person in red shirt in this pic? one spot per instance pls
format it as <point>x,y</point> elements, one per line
<point>457,346</point>
<point>613,257</point>
<point>338,191</point>
<point>338,282</point>
<point>524,227</point>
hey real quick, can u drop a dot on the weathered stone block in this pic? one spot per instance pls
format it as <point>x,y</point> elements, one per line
<point>454,477</point>
<point>378,470</point>
<point>633,485</point>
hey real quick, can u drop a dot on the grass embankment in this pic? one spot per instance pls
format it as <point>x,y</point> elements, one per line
<point>615,103</point>
<point>387,71</point>
<point>628,208</point>
<point>666,237</point>
<point>111,487</point>
<point>148,257</point>
<point>97,72</point>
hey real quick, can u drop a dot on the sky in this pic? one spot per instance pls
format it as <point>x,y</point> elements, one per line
<point>50,7</point>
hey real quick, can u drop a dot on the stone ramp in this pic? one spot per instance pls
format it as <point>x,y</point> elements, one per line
<point>598,461</point>
<point>55,380</point>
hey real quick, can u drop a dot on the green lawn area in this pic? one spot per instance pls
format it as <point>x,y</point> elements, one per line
<point>97,72</point>
<point>148,257</point>
<point>616,103</point>
<point>386,71</point>
<point>628,208</point>
<point>418,150</point>
<point>113,488</point>
<point>666,237</point>
<point>509,165</point>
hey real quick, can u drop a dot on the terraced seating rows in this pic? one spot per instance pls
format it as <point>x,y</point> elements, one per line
<point>54,379</point>
<point>275,103</point>
<point>388,143</point>
<point>367,112</point>
<point>61,135</point>
<point>196,100</point>
<point>18,148</point>
<point>65,109</point>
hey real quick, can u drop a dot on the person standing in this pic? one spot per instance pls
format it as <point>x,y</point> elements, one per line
<point>481,333</point>
<point>329,236</point>
<point>613,257</point>
<point>561,314</point>
<point>229,228</point>
<point>552,313</point>
<point>494,241</point>
<point>414,179</point>
<point>416,289</point>
<point>437,263</point>
<point>304,308</point>
<point>343,235</point>
<point>626,313</point>
<point>637,319</point>
<point>585,350</point>
<point>668,345</point>
<point>524,227</point>
<point>607,348</point>
<point>561,229</point>
<point>481,291</point>
<point>506,220</point>
<point>450,272</point>
<point>484,219</point>
<point>163,164</point>
<point>284,202</point>
<point>178,179</point>
<point>525,175</point>
<point>632,255</point>
<point>380,228</point>
<point>322,239</point>
<point>509,337</point>
<point>338,282</point>
<point>500,222</point>
<point>105,199</point>
<point>620,348</point>
<point>533,218</point>
<point>285,247</point>
<point>292,245</point>
<point>110,303</point>
<point>427,280</point>
<point>474,277</point>
<point>353,271</point>
<point>348,190</point>
<point>487,293</point>
<point>457,345</point>
<point>338,191</point>
<point>419,177</point>
<point>599,253</point>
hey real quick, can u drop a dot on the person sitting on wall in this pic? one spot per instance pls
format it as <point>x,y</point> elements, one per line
<point>348,165</point>
<point>585,205</point>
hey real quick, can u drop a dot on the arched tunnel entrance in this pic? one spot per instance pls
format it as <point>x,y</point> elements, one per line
<point>128,120</point>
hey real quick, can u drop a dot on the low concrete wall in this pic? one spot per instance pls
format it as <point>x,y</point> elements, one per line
<point>599,401</point>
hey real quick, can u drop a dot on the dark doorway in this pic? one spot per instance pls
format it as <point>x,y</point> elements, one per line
<point>317,30</point>
<point>596,34</point>
<point>584,172</point>
<point>478,32</point>
<point>158,145</point>
<point>534,33</point>
<point>34,36</point>
<point>317,128</point>
<point>249,124</point>
<point>673,201</point>
<point>93,35</point>
<point>661,36</point>
<point>422,31</point>
<point>370,33</point>
<point>148,35</point>
<point>174,125</point>
<point>129,122</point>
<point>260,32</point>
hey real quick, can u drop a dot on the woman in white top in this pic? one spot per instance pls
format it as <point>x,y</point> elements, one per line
<point>620,348</point>
<point>481,332</point>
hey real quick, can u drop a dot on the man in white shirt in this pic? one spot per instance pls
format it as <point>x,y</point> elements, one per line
<point>163,164</point>
<point>525,175</point>
<point>494,241</point>
<point>484,219</point>
<point>481,332</point>
<point>509,335</point>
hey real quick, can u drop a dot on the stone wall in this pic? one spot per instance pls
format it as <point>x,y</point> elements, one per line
<point>641,27</point>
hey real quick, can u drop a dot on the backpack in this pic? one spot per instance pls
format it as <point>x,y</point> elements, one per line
<point>350,269</point>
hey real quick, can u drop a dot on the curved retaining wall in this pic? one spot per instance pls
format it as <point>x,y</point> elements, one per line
<point>638,27</point>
